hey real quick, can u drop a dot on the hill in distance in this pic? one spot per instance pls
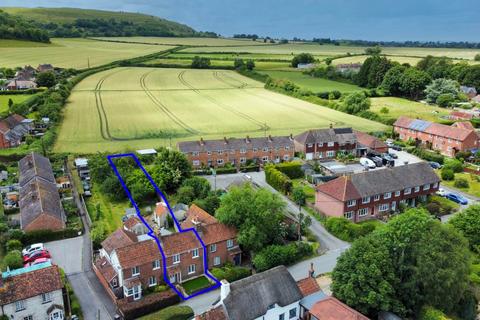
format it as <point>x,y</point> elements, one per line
<point>73,22</point>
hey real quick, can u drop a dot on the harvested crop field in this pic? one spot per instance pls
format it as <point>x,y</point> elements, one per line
<point>132,108</point>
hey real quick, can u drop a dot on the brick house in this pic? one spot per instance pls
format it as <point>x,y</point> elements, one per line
<point>326,143</point>
<point>370,143</point>
<point>460,115</point>
<point>370,194</point>
<point>40,204</point>
<point>12,130</point>
<point>32,293</point>
<point>217,153</point>
<point>448,140</point>
<point>129,263</point>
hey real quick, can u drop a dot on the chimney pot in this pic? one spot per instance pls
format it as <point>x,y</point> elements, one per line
<point>224,289</point>
<point>270,138</point>
<point>202,143</point>
<point>225,140</point>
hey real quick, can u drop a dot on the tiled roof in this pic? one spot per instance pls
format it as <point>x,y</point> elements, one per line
<point>14,120</point>
<point>119,238</point>
<point>105,268</point>
<point>339,135</point>
<point>403,122</point>
<point>234,144</point>
<point>375,182</point>
<point>131,222</point>
<point>369,141</point>
<point>333,309</point>
<point>197,213</point>
<point>450,132</point>
<point>30,284</point>
<point>179,242</point>
<point>35,165</point>
<point>213,314</point>
<point>4,128</point>
<point>217,232</point>
<point>467,125</point>
<point>308,286</point>
<point>138,253</point>
<point>462,115</point>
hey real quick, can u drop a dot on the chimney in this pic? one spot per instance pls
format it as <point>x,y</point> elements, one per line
<point>224,289</point>
<point>291,137</point>
<point>247,140</point>
<point>311,272</point>
<point>225,140</point>
<point>270,138</point>
<point>202,143</point>
<point>331,125</point>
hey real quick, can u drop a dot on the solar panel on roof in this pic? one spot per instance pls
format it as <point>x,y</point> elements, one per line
<point>419,125</point>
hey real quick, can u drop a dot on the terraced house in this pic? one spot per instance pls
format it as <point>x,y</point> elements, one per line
<point>371,194</point>
<point>448,140</point>
<point>130,260</point>
<point>217,153</point>
<point>326,143</point>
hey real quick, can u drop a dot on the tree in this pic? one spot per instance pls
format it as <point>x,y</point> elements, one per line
<point>200,62</point>
<point>302,58</point>
<point>13,259</point>
<point>412,261</point>
<point>10,103</point>
<point>186,194</point>
<point>413,83</point>
<point>468,223</point>
<point>373,71</point>
<point>46,79</point>
<point>393,80</point>
<point>14,245</point>
<point>250,64</point>
<point>355,103</point>
<point>210,203</point>
<point>299,196</point>
<point>470,76</point>
<point>238,63</point>
<point>170,169</point>
<point>200,186</point>
<point>373,51</point>
<point>440,87</point>
<point>477,57</point>
<point>257,214</point>
<point>445,100</point>
<point>447,174</point>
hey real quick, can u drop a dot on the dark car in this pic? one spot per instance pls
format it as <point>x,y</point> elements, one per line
<point>396,148</point>
<point>393,155</point>
<point>457,198</point>
<point>377,160</point>
<point>435,165</point>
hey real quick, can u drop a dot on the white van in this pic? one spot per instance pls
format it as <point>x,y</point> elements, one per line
<point>367,163</point>
<point>32,248</point>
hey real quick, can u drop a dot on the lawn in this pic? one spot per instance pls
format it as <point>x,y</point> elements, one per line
<point>307,188</point>
<point>194,285</point>
<point>307,82</point>
<point>72,53</point>
<point>403,107</point>
<point>474,184</point>
<point>16,98</point>
<point>133,108</point>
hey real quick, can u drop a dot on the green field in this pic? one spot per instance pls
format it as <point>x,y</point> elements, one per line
<point>402,107</point>
<point>71,53</point>
<point>222,42</point>
<point>130,108</point>
<point>307,82</point>
<point>16,98</point>
<point>259,65</point>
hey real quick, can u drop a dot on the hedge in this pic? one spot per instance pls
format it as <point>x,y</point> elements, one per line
<point>346,230</point>
<point>277,179</point>
<point>293,169</point>
<point>276,255</point>
<point>148,304</point>
<point>231,273</point>
<point>428,155</point>
<point>250,168</point>
<point>171,313</point>
<point>48,235</point>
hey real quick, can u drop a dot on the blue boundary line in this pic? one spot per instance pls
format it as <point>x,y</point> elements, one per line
<point>151,233</point>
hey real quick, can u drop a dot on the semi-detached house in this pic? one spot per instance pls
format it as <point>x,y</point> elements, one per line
<point>326,143</point>
<point>370,194</point>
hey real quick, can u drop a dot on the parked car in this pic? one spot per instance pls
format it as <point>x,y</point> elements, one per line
<point>377,160</point>
<point>32,248</point>
<point>441,192</point>
<point>38,261</point>
<point>36,255</point>
<point>367,163</point>
<point>396,148</point>
<point>457,198</point>
<point>393,155</point>
<point>435,165</point>
<point>389,142</point>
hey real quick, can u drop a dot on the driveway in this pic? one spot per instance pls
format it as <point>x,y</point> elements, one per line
<point>404,157</point>
<point>67,254</point>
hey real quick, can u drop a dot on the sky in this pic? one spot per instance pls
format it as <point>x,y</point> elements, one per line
<point>423,20</point>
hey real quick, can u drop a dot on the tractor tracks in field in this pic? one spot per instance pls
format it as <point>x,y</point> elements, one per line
<point>262,126</point>
<point>162,107</point>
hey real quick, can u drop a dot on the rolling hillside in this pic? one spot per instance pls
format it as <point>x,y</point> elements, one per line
<point>72,22</point>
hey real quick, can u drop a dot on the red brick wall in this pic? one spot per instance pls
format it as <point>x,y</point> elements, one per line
<point>146,271</point>
<point>323,148</point>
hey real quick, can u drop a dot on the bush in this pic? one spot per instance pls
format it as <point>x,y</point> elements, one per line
<point>231,273</point>
<point>461,183</point>
<point>428,155</point>
<point>276,255</point>
<point>48,235</point>
<point>277,179</point>
<point>439,206</point>
<point>14,245</point>
<point>346,230</point>
<point>454,164</point>
<point>172,313</point>
<point>293,169</point>
<point>447,174</point>
<point>430,313</point>
<point>13,259</point>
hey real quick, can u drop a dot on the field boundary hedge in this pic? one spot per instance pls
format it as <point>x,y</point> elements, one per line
<point>277,179</point>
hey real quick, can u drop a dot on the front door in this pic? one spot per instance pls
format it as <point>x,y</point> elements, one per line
<point>176,278</point>
<point>237,259</point>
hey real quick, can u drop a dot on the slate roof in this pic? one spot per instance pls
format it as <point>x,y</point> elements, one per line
<point>39,197</point>
<point>119,238</point>
<point>449,132</point>
<point>13,128</point>
<point>251,297</point>
<point>35,165</point>
<point>235,144</point>
<point>333,309</point>
<point>339,135</point>
<point>375,182</point>
<point>30,284</point>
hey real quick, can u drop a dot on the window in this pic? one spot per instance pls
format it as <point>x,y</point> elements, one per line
<point>255,149</point>
<point>417,189</point>
<point>365,199</point>
<point>387,195</point>
<point>156,264</point>
<point>243,160</point>
<point>426,187</point>
<point>195,153</point>
<point>192,268</point>
<point>196,162</point>
<point>351,203</point>
<point>292,313</point>
<point>265,158</point>
<point>195,253</point>
<point>20,305</point>
<point>286,157</point>
<point>397,193</point>
<point>30,317</point>
<point>219,161</point>
<point>281,316</point>
<point>383,207</point>
<point>320,155</point>
<point>209,153</point>
<point>136,293</point>
<point>330,154</point>
<point>229,243</point>
<point>216,261</point>
<point>363,212</point>
<point>55,315</point>
<point>320,144</point>
<point>265,149</point>
<point>135,271</point>
<point>243,150</point>
<point>220,151</point>
<point>348,215</point>
<point>287,148</point>
<point>407,191</point>
<point>46,297</point>
<point>114,282</point>
<point>435,185</point>
<point>331,144</point>
<point>309,145</point>
<point>176,258</point>
<point>213,247</point>
<point>152,281</point>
